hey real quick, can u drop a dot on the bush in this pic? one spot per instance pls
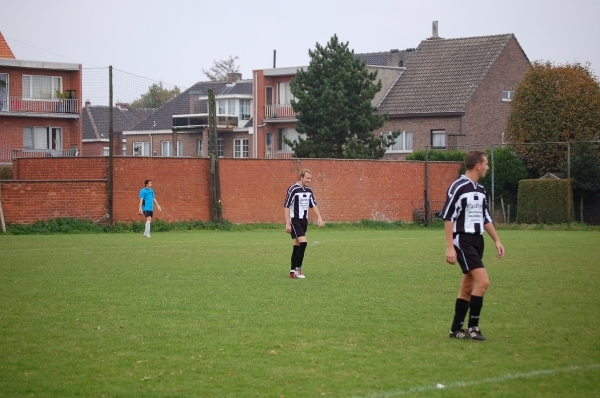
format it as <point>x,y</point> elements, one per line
<point>440,156</point>
<point>545,201</point>
<point>6,173</point>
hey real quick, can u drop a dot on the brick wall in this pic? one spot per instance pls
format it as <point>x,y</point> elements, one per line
<point>252,190</point>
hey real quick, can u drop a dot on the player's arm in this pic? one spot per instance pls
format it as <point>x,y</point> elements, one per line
<point>450,250</point>
<point>489,228</point>
<point>288,223</point>
<point>318,213</point>
<point>141,201</point>
<point>157,205</point>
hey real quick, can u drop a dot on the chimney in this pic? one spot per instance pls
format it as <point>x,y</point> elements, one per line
<point>434,31</point>
<point>233,77</point>
<point>122,106</point>
<point>88,103</point>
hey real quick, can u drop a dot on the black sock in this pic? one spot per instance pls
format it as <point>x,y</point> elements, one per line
<point>476,304</point>
<point>293,259</point>
<point>300,254</point>
<point>460,311</point>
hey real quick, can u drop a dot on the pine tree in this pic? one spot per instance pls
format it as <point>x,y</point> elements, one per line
<point>333,106</point>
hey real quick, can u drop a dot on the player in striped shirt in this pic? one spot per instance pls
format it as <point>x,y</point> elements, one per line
<point>298,200</point>
<point>466,217</point>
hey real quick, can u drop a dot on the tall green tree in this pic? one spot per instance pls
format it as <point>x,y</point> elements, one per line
<point>508,171</point>
<point>156,96</point>
<point>333,106</point>
<point>553,103</point>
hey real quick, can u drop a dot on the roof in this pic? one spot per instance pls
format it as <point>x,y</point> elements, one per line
<point>95,119</point>
<point>444,74</point>
<point>162,119</point>
<point>5,51</point>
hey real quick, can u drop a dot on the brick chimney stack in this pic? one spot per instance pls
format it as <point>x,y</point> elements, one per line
<point>233,77</point>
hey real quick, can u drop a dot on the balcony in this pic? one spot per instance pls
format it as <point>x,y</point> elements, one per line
<point>8,154</point>
<point>20,105</point>
<point>279,112</point>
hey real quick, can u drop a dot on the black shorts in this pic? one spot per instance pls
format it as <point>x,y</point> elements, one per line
<point>469,251</point>
<point>299,227</point>
<point>148,213</point>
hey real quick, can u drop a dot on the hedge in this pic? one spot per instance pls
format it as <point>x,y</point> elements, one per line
<point>544,201</point>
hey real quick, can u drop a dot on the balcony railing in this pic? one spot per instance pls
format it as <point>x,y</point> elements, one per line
<point>8,154</point>
<point>279,111</point>
<point>272,154</point>
<point>20,104</point>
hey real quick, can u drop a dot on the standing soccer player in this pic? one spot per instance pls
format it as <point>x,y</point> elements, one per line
<point>466,216</point>
<point>298,200</point>
<point>147,201</point>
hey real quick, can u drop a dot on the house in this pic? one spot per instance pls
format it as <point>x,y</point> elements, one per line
<point>273,114</point>
<point>454,93</point>
<point>180,127</point>
<point>95,125</point>
<point>40,112</point>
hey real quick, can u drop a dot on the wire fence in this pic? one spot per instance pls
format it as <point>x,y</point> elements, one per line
<point>578,162</point>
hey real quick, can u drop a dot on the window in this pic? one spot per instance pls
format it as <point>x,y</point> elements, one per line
<point>269,144</point>
<point>200,146</point>
<point>3,91</point>
<point>290,134</point>
<point>141,149</point>
<point>220,148</point>
<point>438,139</point>
<point>42,138</point>
<point>106,151</point>
<point>507,95</point>
<point>403,143</point>
<point>41,87</point>
<point>268,95</point>
<point>245,108</point>
<point>240,148</point>
<point>167,148</point>
<point>226,107</point>
<point>284,93</point>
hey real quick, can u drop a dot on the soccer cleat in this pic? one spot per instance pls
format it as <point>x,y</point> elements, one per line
<point>299,273</point>
<point>475,333</point>
<point>459,334</point>
<point>292,274</point>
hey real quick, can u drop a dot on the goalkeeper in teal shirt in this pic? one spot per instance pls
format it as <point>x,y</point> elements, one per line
<point>147,201</point>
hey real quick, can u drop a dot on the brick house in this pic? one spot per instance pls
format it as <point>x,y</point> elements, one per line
<point>273,114</point>
<point>180,127</point>
<point>95,120</point>
<point>454,93</point>
<point>40,113</point>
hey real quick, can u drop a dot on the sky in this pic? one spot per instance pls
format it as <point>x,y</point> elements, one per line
<point>173,41</point>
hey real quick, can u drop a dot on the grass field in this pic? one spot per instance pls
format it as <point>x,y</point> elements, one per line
<point>213,314</point>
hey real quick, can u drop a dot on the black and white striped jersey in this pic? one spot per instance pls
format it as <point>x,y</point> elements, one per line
<point>466,206</point>
<point>299,200</point>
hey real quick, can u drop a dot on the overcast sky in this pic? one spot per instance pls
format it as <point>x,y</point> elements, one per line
<point>173,40</point>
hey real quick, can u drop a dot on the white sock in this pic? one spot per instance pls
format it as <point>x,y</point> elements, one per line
<point>147,230</point>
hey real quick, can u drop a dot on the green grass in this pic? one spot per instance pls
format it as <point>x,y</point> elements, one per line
<point>212,313</point>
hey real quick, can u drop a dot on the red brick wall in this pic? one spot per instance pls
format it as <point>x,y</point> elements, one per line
<point>252,190</point>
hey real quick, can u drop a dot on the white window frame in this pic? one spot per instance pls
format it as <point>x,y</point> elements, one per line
<point>106,151</point>
<point>200,147</point>
<point>42,138</point>
<point>284,93</point>
<point>402,144</point>
<point>245,109</point>
<point>435,142</point>
<point>220,147</point>
<point>227,107</point>
<point>4,92</point>
<point>167,148</point>
<point>241,148</point>
<point>32,91</point>
<point>144,148</point>
<point>507,95</point>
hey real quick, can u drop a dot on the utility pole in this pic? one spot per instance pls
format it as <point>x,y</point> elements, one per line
<point>111,149</point>
<point>216,209</point>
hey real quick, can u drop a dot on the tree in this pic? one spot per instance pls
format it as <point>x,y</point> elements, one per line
<point>585,172</point>
<point>508,171</point>
<point>219,71</point>
<point>333,106</point>
<point>553,104</point>
<point>156,97</point>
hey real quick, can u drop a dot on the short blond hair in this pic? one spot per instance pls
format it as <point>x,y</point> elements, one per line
<point>303,172</point>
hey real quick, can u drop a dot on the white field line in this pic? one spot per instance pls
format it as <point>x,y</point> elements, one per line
<point>498,379</point>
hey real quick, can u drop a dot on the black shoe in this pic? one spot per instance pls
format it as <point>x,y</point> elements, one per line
<point>475,333</point>
<point>459,334</point>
